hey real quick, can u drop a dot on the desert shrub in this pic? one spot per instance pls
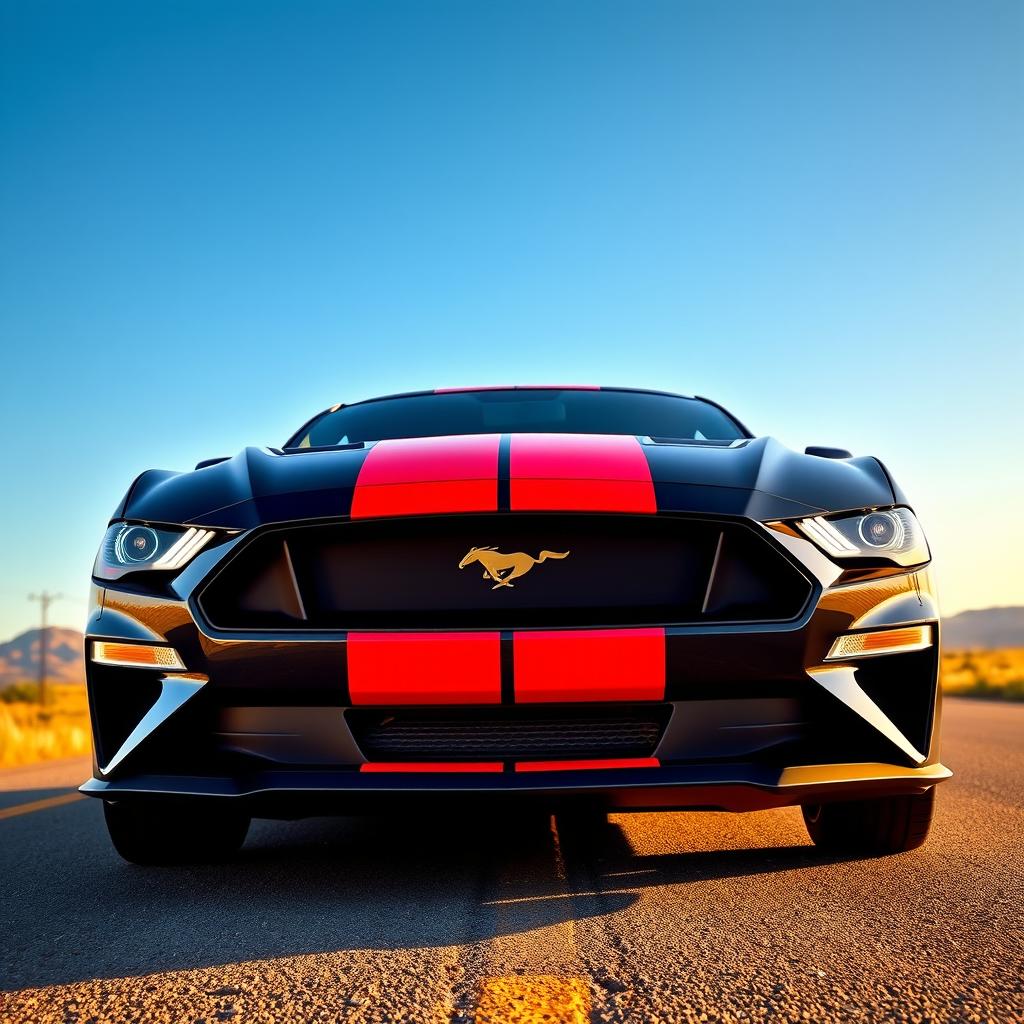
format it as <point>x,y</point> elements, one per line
<point>30,732</point>
<point>20,693</point>
<point>994,675</point>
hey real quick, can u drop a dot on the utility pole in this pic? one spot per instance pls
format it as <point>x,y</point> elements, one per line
<point>45,600</point>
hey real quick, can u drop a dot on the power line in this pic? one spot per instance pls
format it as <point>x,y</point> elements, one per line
<point>45,599</point>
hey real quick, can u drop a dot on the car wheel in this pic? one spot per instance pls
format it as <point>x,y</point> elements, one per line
<point>150,833</point>
<point>891,824</point>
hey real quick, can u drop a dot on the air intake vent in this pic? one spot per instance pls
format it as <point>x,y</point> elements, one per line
<point>508,733</point>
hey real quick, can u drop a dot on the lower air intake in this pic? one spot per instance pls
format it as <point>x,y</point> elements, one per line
<point>508,734</point>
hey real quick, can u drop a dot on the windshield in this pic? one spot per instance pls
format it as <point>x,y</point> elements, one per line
<point>523,410</point>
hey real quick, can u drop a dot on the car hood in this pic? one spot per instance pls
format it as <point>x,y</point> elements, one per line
<point>758,478</point>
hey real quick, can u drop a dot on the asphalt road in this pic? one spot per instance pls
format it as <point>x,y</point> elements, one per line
<point>661,917</point>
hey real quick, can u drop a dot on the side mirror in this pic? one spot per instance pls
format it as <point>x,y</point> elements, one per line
<point>212,462</point>
<point>828,453</point>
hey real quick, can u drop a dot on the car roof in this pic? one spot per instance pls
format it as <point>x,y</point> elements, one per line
<point>524,387</point>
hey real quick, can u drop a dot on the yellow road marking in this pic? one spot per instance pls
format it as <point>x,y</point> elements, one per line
<point>533,999</point>
<point>39,805</point>
<point>532,972</point>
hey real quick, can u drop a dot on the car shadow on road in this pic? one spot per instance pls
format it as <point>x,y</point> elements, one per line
<point>322,885</point>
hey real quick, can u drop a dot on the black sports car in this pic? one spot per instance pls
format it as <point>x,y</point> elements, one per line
<point>600,597</point>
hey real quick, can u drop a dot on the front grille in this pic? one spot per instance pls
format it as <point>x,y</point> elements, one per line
<point>405,574</point>
<point>508,733</point>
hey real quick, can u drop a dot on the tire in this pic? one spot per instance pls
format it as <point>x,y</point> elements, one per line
<point>154,833</point>
<point>891,824</point>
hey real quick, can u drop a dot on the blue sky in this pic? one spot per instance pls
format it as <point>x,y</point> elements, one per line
<point>218,218</point>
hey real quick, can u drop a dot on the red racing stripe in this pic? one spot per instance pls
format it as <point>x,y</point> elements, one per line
<point>432,766</point>
<point>580,473</point>
<point>570,766</point>
<point>427,475</point>
<point>589,665</point>
<point>424,668</point>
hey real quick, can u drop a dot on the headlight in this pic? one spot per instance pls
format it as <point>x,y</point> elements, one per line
<point>891,534</point>
<point>129,547</point>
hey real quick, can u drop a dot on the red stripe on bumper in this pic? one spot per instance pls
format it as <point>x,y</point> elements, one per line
<point>589,665</point>
<point>569,766</point>
<point>428,475</point>
<point>580,473</point>
<point>432,766</point>
<point>424,668</point>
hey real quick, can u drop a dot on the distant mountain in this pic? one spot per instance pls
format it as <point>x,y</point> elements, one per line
<point>65,658</point>
<point>984,629</point>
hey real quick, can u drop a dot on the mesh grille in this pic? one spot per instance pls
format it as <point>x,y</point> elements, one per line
<point>517,733</point>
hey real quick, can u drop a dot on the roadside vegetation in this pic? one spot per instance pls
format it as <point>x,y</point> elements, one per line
<point>993,675</point>
<point>31,732</point>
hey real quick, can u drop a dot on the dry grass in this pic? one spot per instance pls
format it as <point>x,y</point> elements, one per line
<point>30,732</point>
<point>996,675</point>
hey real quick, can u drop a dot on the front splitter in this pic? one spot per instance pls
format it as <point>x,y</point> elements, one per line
<point>734,787</point>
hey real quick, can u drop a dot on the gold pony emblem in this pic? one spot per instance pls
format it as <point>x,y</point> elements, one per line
<point>505,568</point>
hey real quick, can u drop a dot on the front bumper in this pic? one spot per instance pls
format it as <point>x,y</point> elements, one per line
<point>691,787</point>
<point>753,715</point>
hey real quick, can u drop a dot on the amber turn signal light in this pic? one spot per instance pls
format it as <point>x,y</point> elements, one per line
<point>885,641</point>
<point>136,655</point>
